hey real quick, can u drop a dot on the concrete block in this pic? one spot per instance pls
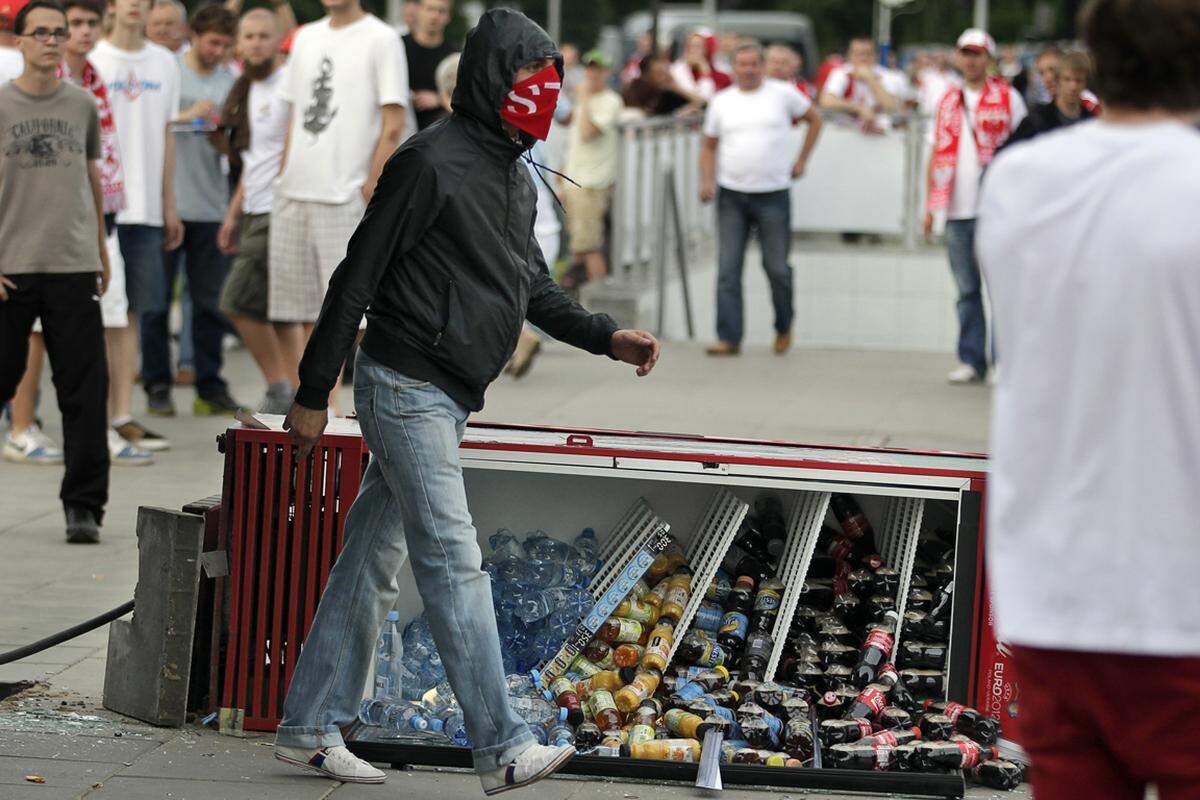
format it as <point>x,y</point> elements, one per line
<point>149,658</point>
<point>618,301</point>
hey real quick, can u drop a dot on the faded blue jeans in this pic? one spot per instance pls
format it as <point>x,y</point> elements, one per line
<point>412,501</point>
<point>739,213</point>
<point>972,325</point>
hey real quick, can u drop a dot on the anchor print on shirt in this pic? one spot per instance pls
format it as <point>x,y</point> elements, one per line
<point>319,114</point>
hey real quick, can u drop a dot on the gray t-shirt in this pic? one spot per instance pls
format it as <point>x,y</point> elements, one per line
<point>48,218</point>
<point>201,189</point>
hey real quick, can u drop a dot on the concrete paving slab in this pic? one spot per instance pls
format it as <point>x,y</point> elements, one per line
<point>64,778</point>
<point>122,787</point>
<point>69,747</point>
<point>202,754</point>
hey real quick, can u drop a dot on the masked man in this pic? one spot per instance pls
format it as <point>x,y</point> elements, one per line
<point>446,262</point>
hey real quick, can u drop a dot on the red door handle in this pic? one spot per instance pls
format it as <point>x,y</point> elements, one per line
<point>579,440</point>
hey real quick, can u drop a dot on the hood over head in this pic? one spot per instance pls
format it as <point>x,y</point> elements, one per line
<point>502,42</point>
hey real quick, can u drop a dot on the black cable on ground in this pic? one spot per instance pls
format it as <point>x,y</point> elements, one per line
<point>67,635</point>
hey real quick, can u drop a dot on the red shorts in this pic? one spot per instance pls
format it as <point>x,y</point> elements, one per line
<point>1105,725</point>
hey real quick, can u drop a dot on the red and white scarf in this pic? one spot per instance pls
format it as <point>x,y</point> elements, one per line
<point>112,178</point>
<point>991,125</point>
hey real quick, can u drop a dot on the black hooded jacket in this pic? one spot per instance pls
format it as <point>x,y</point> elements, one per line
<point>444,261</point>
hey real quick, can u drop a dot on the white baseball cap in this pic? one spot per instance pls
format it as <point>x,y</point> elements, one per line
<point>976,39</point>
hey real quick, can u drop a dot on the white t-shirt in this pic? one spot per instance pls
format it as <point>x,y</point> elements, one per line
<point>336,81</point>
<point>839,81</point>
<point>143,88</point>
<point>755,151</point>
<point>593,163</point>
<point>964,194</point>
<point>1088,239</point>
<point>268,115</point>
<point>704,86</point>
<point>12,64</point>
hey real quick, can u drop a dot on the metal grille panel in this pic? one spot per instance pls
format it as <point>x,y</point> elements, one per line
<point>804,527</point>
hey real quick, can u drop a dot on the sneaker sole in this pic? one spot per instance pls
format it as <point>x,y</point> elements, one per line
<point>34,462</point>
<point>131,462</point>
<point>151,445</point>
<point>545,772</point>
<point>327,773</point>
<point>161,413</point>
<point>83,537</point>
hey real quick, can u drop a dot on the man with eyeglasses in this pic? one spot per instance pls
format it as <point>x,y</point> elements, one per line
<point>53,258</point>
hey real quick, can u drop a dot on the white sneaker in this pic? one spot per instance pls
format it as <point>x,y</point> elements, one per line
<point>124,454</point>
<point>993,378</point>
<point>538,762</point>
<point>332,762</point>
<point>32,447</point>
<point>964,374</point>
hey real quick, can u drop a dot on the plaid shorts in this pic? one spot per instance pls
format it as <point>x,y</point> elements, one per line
<point>307,242</point>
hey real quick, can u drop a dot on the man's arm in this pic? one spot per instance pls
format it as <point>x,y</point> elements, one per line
<point>98,199</point>
<point>389,140</point>
<point>708,169</point>
<point>172,227</point>
<point>402,208</point>
<point>286,17</point>
<point>886,100</point>
<point>558,315</point>
<point>582,114</point>
<point>227,233</point>
<point>813,119</point>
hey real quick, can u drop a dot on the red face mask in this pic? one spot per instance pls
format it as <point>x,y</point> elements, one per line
<point>530,105</point>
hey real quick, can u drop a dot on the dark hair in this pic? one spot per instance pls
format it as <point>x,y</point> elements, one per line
<point>95,6</point>
<point>1146,52</point>
<point>19,20</point>
<point>214,19</point>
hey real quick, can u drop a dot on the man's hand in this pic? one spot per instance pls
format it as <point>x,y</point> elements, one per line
<point>426,100</point>
<point>5,285</point>
<point>227,237</point>
<point>798,168</point>
<point>708,192</point>
<point>638,348</point>
<point>306,426</point>
<point>202,109</point>
<point>172,230</point>
<point>928,225</point>
<point>103,277</point>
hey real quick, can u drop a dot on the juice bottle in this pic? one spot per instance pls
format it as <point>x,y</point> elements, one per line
<point>628,655</point>
<point>686,750</point>
<point>641,733</point>
<point>640,610</point>
<point>617,629</point>
<point>683,723</point>
<point>565,696</point>
<point>656,595</point>
<point>599,653</point>
<point>658,649</point>
<point>606,680</point>
<point>678,592</point>
<point>641,687</point>
<point>604,710</point>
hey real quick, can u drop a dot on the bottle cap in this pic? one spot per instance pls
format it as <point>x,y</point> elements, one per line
<point>393,616</point>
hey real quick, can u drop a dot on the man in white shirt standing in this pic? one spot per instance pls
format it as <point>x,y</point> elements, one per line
<point>969,125</point>
<point>12,63</point>
<point>346,81</point>
<point>746,164</point>
<point>861,87</point>
<point>259,122</point>
<point>1089,241</point>
<point>143,85</point>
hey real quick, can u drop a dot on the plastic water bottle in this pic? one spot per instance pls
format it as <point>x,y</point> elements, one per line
<point>405,717</point>
<point>505,546</point>
<point>389,655</point>
<point>372,712</point>
<point>560,733</point>
<point>533,710</point>
<point>539,733</point>
<point>453,727</point>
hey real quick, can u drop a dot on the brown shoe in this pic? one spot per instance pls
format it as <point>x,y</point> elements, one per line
<point>783,342</point>
<point>724,349</point>
<point>528,347</point>
<point>185,377</point>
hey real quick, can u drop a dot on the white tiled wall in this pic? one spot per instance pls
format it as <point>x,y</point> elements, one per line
<point>863,297</point>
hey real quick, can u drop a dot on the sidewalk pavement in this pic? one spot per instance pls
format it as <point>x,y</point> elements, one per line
<point>821,396</point>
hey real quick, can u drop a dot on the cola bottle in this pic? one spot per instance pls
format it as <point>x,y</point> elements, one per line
<point>829,706</point>
<point>998,774</point>
<point>587,735</point>
<point>887,581</point>
<point>843,731</point>
<point>894,717</point>
<point>880,604</point>
<point>860,583</point>
<point>807,675</point>
<point>922,655</point>
<point>921,625</point>
<point>794,707</point>
<point>919,600</point>
<point>761,730</point>
<point>876,650</point>
<point>752,540</point>
<point>968,721</point>
<point>924,682</point>
<point>849,608</point>
<point>805,619</point>
<point>859,755</point>
<point>936,727</point>
<point>700,651</point>
<point>798,738</point>
<point>894,737</point>
<point>770,696</point>
<point>833,629</point>
<point>869,703</point>
<point>802,646</point>
<point>833,652</point>
<point>741,596</point>
<point>734,627</point>
<point>756,655</point>
<point>838,678</point>
<point>957,753</point>
<point>738,562</point>
<point>850,517</point>
<point>816,594</point>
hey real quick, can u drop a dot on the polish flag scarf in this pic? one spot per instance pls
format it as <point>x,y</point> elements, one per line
<point>112,178</point>
<point>991,125</point>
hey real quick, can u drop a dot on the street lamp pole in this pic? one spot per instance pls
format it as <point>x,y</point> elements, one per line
<point>981,14</point>
<point>555,20</point>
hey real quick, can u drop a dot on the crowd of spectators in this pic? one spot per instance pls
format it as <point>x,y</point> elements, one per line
<point>237,153</point>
